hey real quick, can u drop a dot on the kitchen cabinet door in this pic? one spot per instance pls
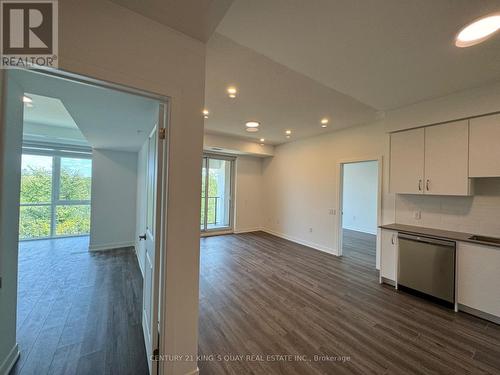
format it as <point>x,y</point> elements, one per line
<point>478,279</point>
<point>388,254</point>
<point>407,162</point>
<point>484,149</point>
<point>446,159</point>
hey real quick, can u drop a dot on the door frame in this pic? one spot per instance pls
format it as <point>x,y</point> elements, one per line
<point>340,199</point>
<point>165,102</point>
<point>224,230</point>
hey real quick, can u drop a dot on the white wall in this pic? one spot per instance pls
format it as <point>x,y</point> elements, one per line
<point>11,111</point>
<point>113,202</point>
<point>140,246</point>
<point>248,194</point>
<point>127,48</point>
<point>360,191</point>
<point>300,184</point>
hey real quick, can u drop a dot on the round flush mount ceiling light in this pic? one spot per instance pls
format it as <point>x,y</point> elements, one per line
<point>288,132</point>
<point>231,91</point>
<point>478,31</point>
<point>252,124</point>
<point>262,140</point>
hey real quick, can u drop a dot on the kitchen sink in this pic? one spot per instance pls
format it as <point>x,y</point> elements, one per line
<point>485,239</point>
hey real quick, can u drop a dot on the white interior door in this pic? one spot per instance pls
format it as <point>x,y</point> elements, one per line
<point>152,238</point>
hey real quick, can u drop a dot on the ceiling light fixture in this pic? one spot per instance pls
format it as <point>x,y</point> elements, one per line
<point>205,113</point>
<point>252,124</point>
<point>262,140</point>
<point>288,132</point>
<point>27,99</point>
<point>252,130</point>
<point>478,31</point>
<point>232,92</point>
<point>287,136</point>
<point>324,121</point>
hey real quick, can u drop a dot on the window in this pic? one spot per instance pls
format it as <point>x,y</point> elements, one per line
<point>55,195</point>
<point>216,193</point>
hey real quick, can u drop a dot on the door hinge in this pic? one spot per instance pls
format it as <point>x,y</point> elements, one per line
<point>163,133</point>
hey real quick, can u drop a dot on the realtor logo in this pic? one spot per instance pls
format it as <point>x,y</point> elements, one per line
<point>29,33</point>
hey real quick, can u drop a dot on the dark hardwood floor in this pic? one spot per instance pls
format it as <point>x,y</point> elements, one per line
<point>360,247</point>
<point>262,295</point>
<point>78,312</point>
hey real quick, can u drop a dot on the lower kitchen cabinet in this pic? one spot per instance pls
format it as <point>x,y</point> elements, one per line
<point>388,255</point>
<point>478,278</point>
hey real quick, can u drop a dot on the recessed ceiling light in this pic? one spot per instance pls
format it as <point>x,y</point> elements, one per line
<point>205,113</point>
<point>287,136</point>
<point>478,31</point>
<point>252,130</point>
<point>262,140</point>
<point>324,121</point>
<point>232,92</point>
<point>252,124</point>
<point>288,132</point>
<point>27,99</point>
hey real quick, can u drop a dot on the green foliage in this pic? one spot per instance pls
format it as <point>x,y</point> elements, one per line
<point>36,187</point>
<point>212,201</point>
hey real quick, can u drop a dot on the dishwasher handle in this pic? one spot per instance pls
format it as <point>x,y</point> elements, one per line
<point>433,241</point>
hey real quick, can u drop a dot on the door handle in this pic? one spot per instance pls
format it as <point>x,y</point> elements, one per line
<point>419,185</point>
<point>427,184</point>
<point>143,237</point>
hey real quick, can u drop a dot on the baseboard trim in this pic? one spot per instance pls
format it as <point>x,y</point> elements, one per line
<point>312,245</point>
<point>362,230</point>
<point>10,360</point>
<point>480,314</point>
<point>247,230</point>
<point>111,246</point>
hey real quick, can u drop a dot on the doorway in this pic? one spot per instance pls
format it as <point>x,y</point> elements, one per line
<point>359,208</point>
<point>73,150</point>
<point>217,186</point>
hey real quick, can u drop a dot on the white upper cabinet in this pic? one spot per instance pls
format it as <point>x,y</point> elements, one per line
<point>407,162</point>
<point>431,160</point>
<point>484,152</point>
<point>446,159</point>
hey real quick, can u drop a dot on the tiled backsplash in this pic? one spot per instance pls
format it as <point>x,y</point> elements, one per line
<point>478,214</point>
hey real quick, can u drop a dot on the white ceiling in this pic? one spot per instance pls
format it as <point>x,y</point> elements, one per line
<point>196,18</point>
<point>48,111</point>
<point>271,93</point>
<point>108,119</point>
<point>385,53</point>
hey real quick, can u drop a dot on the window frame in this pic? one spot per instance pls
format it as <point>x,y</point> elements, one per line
<point>57,154</point>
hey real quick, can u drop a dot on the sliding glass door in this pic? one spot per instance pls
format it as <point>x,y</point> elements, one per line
<point>55,195</point>
<point>216,193</point>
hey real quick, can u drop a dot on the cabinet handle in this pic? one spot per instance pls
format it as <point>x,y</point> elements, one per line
<point>419,185</point>
<point>427,185</point>
<point>392,239</point>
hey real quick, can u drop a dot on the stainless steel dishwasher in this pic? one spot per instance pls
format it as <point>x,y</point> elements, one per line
<point>427,265</point>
